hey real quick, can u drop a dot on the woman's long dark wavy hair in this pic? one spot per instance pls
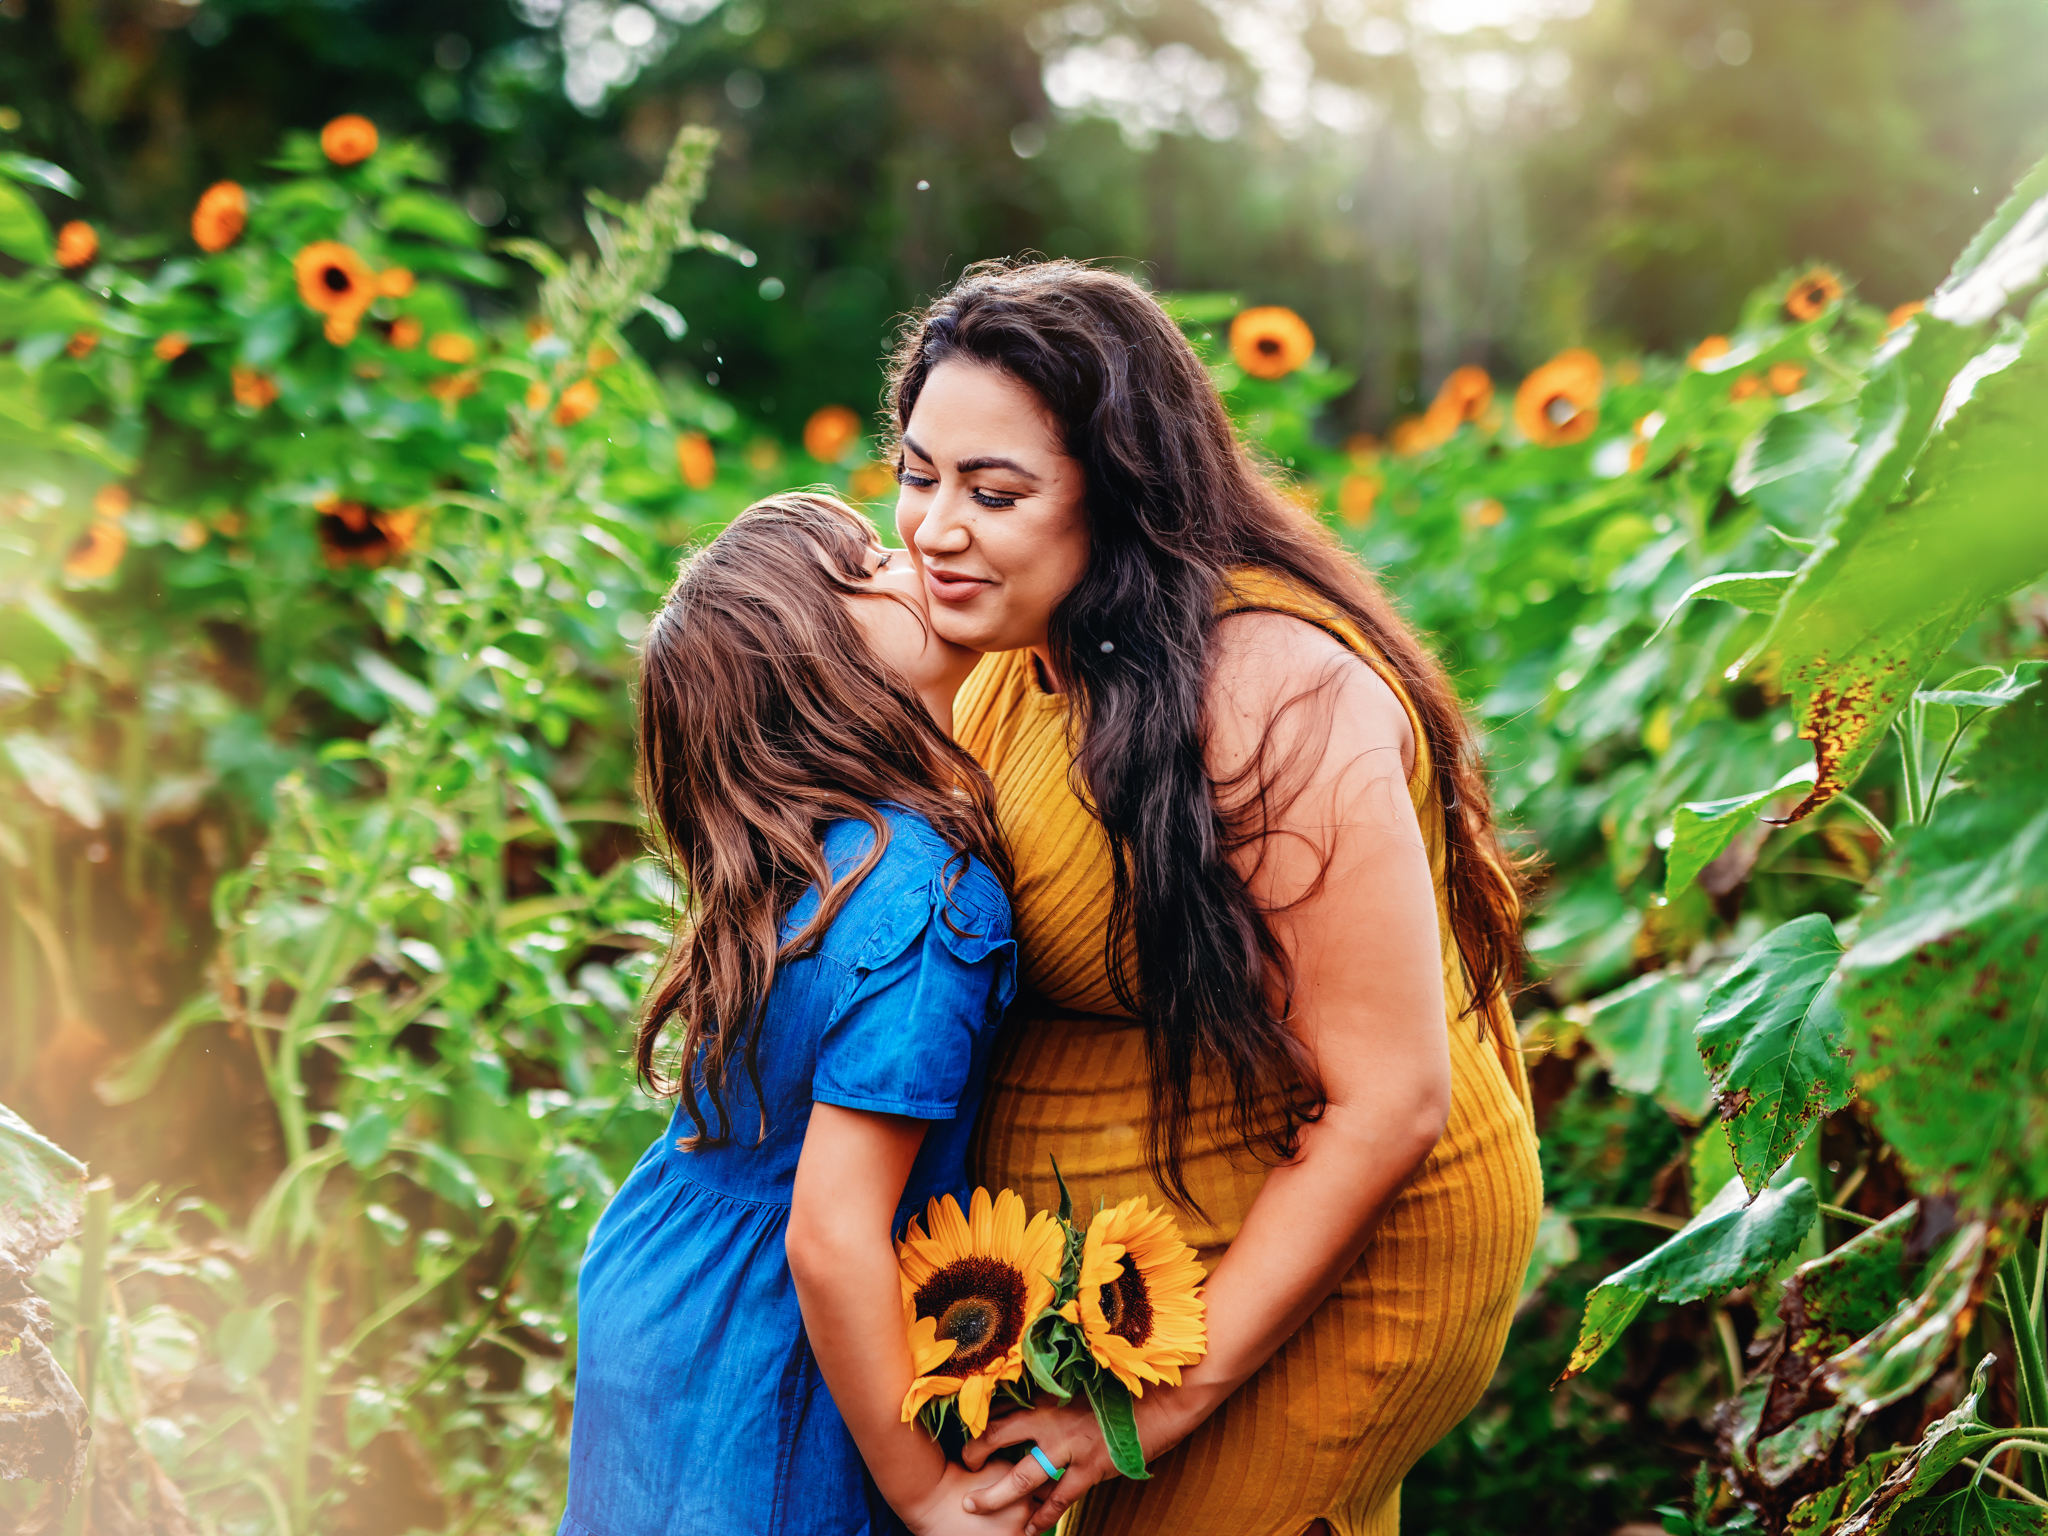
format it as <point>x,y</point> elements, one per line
<point>765,717</point>
<point>1175,502</point>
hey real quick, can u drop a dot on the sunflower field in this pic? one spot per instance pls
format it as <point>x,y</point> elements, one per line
<point>326,533</point>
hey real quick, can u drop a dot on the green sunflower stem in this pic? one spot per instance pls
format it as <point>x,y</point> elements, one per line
<point>1111,1401</point>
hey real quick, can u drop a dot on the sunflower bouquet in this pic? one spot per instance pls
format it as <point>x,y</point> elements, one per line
<point>994,1302</point>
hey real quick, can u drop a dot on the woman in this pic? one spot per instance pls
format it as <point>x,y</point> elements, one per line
<point>1267,930</point>
<point>824,1019</point>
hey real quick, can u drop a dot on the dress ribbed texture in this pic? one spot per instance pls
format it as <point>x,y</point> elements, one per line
<point>1403,1348</point>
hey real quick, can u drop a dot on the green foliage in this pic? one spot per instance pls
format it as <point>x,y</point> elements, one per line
<point>1944,986</point>
<point>1772,1036</point>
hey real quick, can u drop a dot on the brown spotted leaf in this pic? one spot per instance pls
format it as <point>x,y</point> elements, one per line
<point>1828,1304</point>
<point>1939,515</point>
<point>1946,987</point>
<point>1772,1037</point>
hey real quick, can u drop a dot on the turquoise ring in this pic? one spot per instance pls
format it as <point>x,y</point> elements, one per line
<point>1045,1461</point>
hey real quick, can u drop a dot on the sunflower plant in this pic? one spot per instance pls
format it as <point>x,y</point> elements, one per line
<point>988,1311</point>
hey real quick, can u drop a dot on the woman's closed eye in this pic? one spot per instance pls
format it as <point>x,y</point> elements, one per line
<point>994,499</point>
<point>905,475</point>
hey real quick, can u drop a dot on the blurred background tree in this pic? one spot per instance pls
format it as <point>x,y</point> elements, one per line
<point>1430,181</point>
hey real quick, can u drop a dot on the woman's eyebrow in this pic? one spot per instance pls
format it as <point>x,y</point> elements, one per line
<point>911,443</point>
<point>968,466</point>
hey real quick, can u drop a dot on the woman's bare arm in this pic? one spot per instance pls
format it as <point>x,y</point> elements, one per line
<point>1343,872</point>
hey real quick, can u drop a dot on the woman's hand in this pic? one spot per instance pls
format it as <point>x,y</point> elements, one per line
<point>1072,1439</point>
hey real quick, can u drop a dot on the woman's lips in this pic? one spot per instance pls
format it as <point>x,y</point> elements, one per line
<point>950,587</point>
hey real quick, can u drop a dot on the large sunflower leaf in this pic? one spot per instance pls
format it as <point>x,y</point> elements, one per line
<point>1111,1401</point>
<point>1821,1511</point>
<point>1901,1355</point>
<point>1946,987</point>
<point>1730,1243</point>
<point>1828,1304</point>
<point>1896,579</point>
<point>1772,1035</point>
<point>1971,1512</point>
<point>1642,1035</point>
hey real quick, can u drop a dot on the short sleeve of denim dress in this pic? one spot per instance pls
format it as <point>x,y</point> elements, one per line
<point>699,1406</point>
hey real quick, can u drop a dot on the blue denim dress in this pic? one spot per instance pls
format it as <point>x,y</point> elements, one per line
<point>699,1407</point>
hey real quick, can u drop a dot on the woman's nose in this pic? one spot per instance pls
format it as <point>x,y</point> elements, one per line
<point>941,532</point>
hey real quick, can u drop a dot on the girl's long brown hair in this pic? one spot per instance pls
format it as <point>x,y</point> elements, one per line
<point>764,718</point>
<point>1175,503</point>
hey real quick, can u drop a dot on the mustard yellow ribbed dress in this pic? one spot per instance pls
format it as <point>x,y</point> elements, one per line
<point>1403,1348</point>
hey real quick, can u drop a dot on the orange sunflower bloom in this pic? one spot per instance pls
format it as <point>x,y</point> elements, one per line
<point>1271,341</point>
<point>112,502</point>
<point>349,139</point>
<point>1707,351</point>
<point>1139,1305</point>
<point>405,333</point>
<point>1750,386</point>
<point>395,282</point>
<point>1785,377</point>
<point>336,282</point>
<point>450,347</point>
<point>831,430</point>
<point>695,460</point>
<point>873,481</point>
<point>220,216</point>
<point>253,390</point>
<point>1902,314</point>
<point>77,243</point>
<point>1486,512</point>
<point>456,386</point>
<point>1809,297</point>
<point>1355,497</point>
<point>1559,403</point>
<point>352,533</point>
<point>97,551</point>
<point>172,346</point>
<point>979,1280</point>
<point>577,402</point>
<point>81,344</point>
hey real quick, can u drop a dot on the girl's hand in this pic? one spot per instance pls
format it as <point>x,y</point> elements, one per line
<point>947,1511</point>
<point>1072,1439</point>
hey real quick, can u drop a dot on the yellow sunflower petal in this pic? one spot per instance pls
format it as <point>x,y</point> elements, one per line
<point>1006,1227</point>
<point>976,1393</point>
<point>926,1348</point>
<point>924,1389</point>
<point>981,1223</point>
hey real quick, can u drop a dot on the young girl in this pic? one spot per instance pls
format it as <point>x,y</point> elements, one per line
<point>824,1018</point>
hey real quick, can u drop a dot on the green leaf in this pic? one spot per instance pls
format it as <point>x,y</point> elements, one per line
<point>401,687</point>
<point>1946,987</point>
<point>1201,308</point>
<point>24,232</point>
<point>1774,1042</point>
<point>42,173</point>
<point>1642,1034</point>
<point>1700,829</point>
<point>1066,1195</point>
<point>1819,1512</point>
<point>1828,1304</point>
<point>1790,443</point>
<point>418,214</point>
<point>1730,1243</point>
<point>1901,1355</point>
<point>2007,256</point>
<point>1940,1450</point>
<point>246,1341</point>
<point>2009,687</point>
<point>1111,1401</point>
<point>366,1138</point>
<point>1895,581</point>
<point>1758,591</point>
<point>1971,1512</point>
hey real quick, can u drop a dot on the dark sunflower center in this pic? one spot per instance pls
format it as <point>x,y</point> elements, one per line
<point>335,280</point>
<point>1126,1305</point>
<point>1560,409</point>
<point>1268,346</point>
<point>979,1302</point>
<point>348,525</point>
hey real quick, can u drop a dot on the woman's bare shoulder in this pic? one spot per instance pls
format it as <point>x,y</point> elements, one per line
<point>1276,676</point>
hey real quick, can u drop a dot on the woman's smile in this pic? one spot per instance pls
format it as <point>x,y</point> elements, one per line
<point>954,586</point>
